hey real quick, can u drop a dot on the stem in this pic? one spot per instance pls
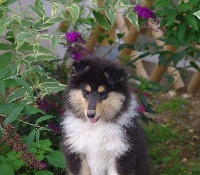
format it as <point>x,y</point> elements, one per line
<point>36,125</point>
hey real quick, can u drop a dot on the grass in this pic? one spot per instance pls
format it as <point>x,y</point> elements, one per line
<point>174,106</point>
<point>171,151</point>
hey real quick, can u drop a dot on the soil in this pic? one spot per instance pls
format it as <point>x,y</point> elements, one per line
<point>186,122</point>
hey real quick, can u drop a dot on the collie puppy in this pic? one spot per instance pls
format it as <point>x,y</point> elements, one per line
<point>101,131</point>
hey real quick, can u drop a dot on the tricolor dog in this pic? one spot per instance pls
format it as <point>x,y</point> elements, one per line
<point>101,131</point>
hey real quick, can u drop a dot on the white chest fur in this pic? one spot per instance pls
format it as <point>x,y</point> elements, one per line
<point>101,142</point>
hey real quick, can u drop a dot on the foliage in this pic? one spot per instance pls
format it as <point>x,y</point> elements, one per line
<point>182,29</point>
<point>32,82</point>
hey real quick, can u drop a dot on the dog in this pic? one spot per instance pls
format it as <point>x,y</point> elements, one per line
<point>101,131</point>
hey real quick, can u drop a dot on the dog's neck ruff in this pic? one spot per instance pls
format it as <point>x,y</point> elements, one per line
<point>101,142</point>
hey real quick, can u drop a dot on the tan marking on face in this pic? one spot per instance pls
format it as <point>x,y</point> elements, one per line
<point>78,102</point>
<point>101,89</point>
<point>88,88</point>
<point>110,106</point>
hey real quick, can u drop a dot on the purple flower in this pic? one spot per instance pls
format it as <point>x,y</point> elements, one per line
<point>141,109</point>
<point>76,56</point>
<point>74,45</point>
<point>43,165</point>
<point>43,104</point>
<point>144,12</point>
<point>53,127</point>
<point>74,37</point>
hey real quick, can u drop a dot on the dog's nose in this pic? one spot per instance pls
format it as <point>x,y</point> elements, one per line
<point>91,114</point>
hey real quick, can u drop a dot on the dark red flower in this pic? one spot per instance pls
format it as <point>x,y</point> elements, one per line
<point>141,109</point>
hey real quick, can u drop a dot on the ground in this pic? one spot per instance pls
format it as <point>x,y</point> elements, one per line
<point>174,134</point>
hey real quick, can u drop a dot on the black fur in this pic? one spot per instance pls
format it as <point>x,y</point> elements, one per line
<point>139,163</point>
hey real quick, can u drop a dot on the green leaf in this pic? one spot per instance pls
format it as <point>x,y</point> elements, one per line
<point>56,159</point>
<point>30,138</point>
<point>171,17</point>
<point>52,87</point>
<point>54,41</point>
<point>143,100</point>
<point>43,118</point>
<point>44,172</point>
<point>13,160</point>
<point>192,21</point>
<point>29,109</point>
<point>170,79</point>
<point>2,27</point>
<point>26,47</point>
<point>197,14</point>
<point>176,57</point>
<point>7,21</point>
<point>102,20</point>
<point>18,93</point>
<point>167,159</point>
<point>4,72</point>
<point>125,2</point>
<point>45,144</point>
<point>13,115</point>
<point>162,58</point>
<point>74,11</point>
<point>110,14</point>
<point>24,84</point>
<point>44,26</point>
<point>37,11</point>
<point>37,135</point>
<point>24,36</point>
<point>26,100</point>
<point>2,87</point>
<point>133,18</point>
<point>40,6</point>
<point>5,59</point>
<point>184,7</point>
<point>39,57</point>
<point>194,65</point>
<point>8,108</point>
<point>11,82</point>
<point>124,46</point>
<point>4,46</point>
<point>55,20</point>
<point>6,169</point>
<point>17,18</point>
<point>13,68</point>
<point>182,30</point>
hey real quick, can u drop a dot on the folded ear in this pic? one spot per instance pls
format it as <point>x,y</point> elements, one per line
<point>115,75</point>
<point>80,67</point>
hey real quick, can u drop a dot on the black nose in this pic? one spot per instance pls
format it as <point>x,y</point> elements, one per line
<point>91,114</point>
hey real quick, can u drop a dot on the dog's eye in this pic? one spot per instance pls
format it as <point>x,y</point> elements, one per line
<point>103,94</point>
<point>85,92</point>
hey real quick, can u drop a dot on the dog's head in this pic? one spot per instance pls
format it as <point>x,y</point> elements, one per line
<point>97,89</point>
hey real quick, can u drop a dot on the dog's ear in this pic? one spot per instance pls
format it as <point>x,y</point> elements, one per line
<point>80,67</point>
<point>115,75</point>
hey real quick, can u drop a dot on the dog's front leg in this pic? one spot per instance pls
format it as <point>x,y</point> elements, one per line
<point>113,169</point>
<point>84,166</point>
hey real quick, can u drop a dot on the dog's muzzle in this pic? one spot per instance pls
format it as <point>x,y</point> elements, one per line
<point>91,114</point>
